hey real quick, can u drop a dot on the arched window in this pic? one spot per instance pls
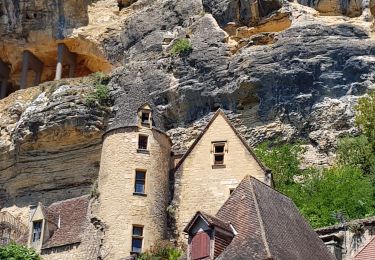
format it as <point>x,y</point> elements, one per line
<point>200,246</point>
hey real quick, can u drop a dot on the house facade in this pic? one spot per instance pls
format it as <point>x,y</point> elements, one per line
<point>211,169</point>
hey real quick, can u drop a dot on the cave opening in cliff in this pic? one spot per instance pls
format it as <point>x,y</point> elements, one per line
<point>27,66</point>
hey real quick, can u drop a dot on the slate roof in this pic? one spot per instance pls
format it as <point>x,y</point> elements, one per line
<point>217,113</point>
<point>268,226</point>
<point>212,221</point>
<point>127,106</point>
<point>73,220</point>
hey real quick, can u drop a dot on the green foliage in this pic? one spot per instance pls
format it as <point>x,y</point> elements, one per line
<point>162,250</point>
<point>100,94</point>
<point>181,46</point>
<point>357,152</point>
<point>341,189</point>
<point>95,193</point>
<point>319,194</point>
<point>283,160</point>
<point>365,117</point>
<point>15,251</point>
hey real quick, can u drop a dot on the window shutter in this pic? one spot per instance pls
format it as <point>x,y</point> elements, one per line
<point>200,246</point>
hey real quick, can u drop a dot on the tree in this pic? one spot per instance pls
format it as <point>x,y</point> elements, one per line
<point>341,189</point>
<point>283,160</point>
<point>320,194</point>
<point>365,117</point>
<point>15,251</point>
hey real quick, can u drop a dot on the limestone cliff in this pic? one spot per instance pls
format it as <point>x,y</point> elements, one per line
<point>282,68</point>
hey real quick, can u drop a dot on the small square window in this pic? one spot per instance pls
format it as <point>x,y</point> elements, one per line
<point>137,239</point>
<point>140,180</point>
<point>142,142</point>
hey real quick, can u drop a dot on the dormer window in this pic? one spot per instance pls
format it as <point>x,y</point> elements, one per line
<point>37,232</point>
<point>145,118</point>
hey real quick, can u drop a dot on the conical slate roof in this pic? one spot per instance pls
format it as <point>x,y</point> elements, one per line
<point>128,101</point>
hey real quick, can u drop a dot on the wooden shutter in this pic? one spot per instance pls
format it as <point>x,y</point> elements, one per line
<point>200,246</point>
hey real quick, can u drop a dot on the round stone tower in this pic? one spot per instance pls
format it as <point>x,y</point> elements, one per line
<point>134,180</point>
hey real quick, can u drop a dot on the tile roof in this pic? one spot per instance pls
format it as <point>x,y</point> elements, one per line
<point>217,113</point>
<point>211,220</point>
<point>269,226</point>
<point>370,221</point>
<point>367,252</point>
<point>73,220</point>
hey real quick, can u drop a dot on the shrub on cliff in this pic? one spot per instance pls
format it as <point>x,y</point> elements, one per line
<point>100,94</point>
<point>365,116</point>
<point>162,250</point>
<point>181,46</point>
<point>15,251</point>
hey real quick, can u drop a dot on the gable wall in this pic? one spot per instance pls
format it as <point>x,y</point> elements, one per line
<point>199,186</point>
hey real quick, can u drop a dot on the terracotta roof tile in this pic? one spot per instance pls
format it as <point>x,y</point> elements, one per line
<point>73,220</point>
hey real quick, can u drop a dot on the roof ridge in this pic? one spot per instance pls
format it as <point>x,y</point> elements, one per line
<point>268,186</point>
<point>263,233</point>
<point>71,199</point>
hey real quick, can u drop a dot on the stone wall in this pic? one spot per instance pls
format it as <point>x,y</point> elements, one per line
<point>119,208</point>
<point>199,186</point>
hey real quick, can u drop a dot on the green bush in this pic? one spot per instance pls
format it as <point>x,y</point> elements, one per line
<point>341,189</point>
<point>162,250</point>
<point>319,194</point>
<point>15,251</point>
<point>365,117</point>
<point>283,160</point>
<point>181,46</point>
<point>100,94</point>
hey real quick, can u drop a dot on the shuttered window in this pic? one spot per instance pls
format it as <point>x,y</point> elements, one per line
<point>200,246</point>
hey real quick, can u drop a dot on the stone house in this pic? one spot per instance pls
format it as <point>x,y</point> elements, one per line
<point>58,231</point>
<point>137,169</point>
<point>256,222</point>
<point>211,169</point>
<point>353,240</point>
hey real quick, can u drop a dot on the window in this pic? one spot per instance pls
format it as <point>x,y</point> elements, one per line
<point>231,191</point>
<point>145,118</point>
<point>200,246</point>
<point>137,239</point>
<point>219,150</point>
<point>142,142</point>
<point>140,178</point>
<point>37,231</point>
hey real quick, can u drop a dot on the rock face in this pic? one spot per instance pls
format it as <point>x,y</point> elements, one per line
<point>282,69</point>
<point>50,144</point>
